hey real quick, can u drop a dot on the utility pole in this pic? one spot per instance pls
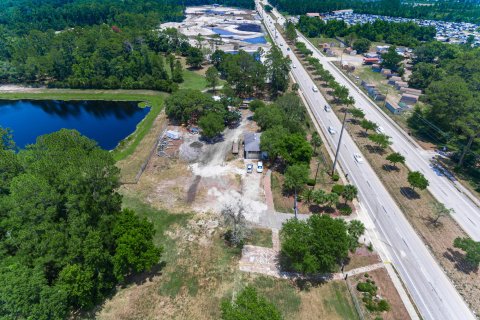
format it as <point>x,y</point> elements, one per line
<point>339,141</point>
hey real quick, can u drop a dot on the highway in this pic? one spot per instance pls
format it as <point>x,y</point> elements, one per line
<point>431,290</point>
<point>451,194</point>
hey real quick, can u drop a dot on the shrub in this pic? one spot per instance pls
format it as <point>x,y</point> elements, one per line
<point>345,210</point>
<point>383,305</point>
<point>335,177</point>
<point>367,287</point>
<point>338,188</point>
<point>311,182</point>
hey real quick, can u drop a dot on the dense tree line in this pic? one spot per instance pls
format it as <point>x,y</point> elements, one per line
<point>450,77</point>
<point>398,33</point>
<point>441,10</point>
<point>94,44</point>
<point>65,242</point>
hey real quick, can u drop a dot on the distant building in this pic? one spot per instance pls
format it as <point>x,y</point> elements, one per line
<point>313,14</point>
<point>251,142</point>
<point>370,61</point>
<point>409,99</point>
<point>344,11</point>
<point>395,108</point>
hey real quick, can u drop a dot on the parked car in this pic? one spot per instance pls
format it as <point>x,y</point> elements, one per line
<point>380,130</point>
<point>249,168</point>
<point>358,157</point>
<point>260,167</point>
<point>332,130</point>
<point>314,88</point>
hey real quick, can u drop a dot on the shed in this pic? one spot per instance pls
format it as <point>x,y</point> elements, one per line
<point>401,84</point>
<point>370,60</point>
<point>409,99</point>
<point>386,72</point>
<point>376,68</point>
<point>394,107</point>
<point>251,141</point>
<point>174,135</point>
<point>235,147</point>
<point>411,91</point>
<point>313,14</point>
<point>394,79</point>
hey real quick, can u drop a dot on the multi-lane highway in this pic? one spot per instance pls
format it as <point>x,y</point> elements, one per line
<point>451,194</point>
<point>432,292</point>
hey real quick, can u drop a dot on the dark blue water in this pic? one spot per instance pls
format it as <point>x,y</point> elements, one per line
<point>256,40</point>
<point>250,27</point>
<point>107,122</point>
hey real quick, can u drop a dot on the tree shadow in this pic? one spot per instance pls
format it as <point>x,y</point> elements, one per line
<point>458,259</point>
<point>388,167</point>
<point>409,193</point>
<point>141,278</point>
<point>362,134</point>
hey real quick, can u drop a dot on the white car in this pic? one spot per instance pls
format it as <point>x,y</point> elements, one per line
<point>294,66</point>
<point>358,157</point>
<point>281,44</point>
<point>380,130</point>
<point>249,168</point>
<point>315,89</point>
<point>260,167</point>
<point>327,108</point>
<point>332,130</point>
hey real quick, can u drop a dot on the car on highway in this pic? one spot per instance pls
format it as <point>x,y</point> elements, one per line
<point>380,130</point>
<point>327,108</point>
<point>294,66</point>
<point>249,168</point>
<point>281,44</point>
<point>332,130</point>
<point>259,166</point>
<point>288,49</point>
<point>315,89</point>
<point>358,157</point>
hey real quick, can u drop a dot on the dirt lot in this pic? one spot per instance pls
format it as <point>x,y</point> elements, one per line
<point>386,291</point>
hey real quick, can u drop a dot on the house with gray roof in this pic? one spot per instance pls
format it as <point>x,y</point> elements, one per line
<point>251,142</point>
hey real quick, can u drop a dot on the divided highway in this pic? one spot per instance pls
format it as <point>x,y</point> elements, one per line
<point>433,293</point>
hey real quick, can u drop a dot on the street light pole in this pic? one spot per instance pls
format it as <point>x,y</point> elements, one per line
<point>339,141</point>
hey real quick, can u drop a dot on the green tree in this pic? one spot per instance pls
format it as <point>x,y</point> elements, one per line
<point>471,248</point>
<point>256,104</point>
<point>295,177</point>
<point>396,157</point>
<point>177,75</point>
<point>319,197</point>
<point>362,45</point>
<point>368,125</point>
<point>212,124</point>
<point>249,305</point>
<point>417,180</point>
<point>391,59</point>
<point>382,141</point>
<point>212,77</point>
<point>423,74</point>
<point>439,211</point>
<point>188,105</point>
<point>278,68</point>
<point>6,139</point>
<point>316,141</point>
<point>315,245</point>
<point>357,113</point>
<point>355,229</point>
<point>195,57</point>
<point>349,193</point>
<point>268,8</point>
<point>290,31</point>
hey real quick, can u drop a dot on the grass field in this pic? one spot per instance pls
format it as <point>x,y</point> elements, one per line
<point>260,237</point>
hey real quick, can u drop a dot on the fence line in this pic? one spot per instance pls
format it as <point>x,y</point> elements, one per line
<point>355,300</point>
<point>147,160</point>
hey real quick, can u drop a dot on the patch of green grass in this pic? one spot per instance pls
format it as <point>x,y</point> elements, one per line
<point>178,279</point>
<point>281,292</point>
<point>337,300</point>
<point>193,80</point>
<point>161,219</point>
<point>145,97</point>
<point>260,237</point>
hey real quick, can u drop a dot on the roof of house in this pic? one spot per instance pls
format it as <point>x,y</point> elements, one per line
<point>313,14</point>
<point>252,141</point>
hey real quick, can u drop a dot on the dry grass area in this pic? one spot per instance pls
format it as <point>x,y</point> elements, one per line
<point>131,165</point>
<point>362,257</point>
<point>387,291</point>
<point>418,208</point>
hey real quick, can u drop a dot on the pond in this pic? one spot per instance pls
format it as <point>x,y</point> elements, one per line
<point>107,122</point>
<point>222,32</point>
<point>256,40</point>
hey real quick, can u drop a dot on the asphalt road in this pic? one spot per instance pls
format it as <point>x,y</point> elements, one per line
<point>433,293</point>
